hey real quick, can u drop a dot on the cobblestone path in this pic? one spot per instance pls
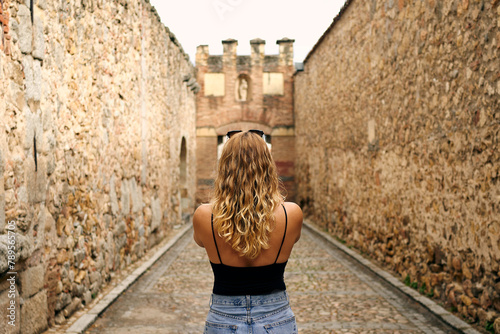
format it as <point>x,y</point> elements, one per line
<point>329,293</point>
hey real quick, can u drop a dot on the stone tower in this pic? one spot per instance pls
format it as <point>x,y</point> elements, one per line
<point>242,93</point>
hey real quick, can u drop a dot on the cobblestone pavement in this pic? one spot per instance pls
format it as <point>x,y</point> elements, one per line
<point>329,293</point>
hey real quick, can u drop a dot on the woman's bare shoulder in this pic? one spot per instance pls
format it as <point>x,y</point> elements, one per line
<point>295,219</point>
<point>204,208</point>
<point>201,213</point>
<point>201,219</point>
<point>293,209</point>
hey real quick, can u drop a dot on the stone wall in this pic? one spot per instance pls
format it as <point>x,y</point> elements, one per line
<point>397,131</point>
<point>97,148</point>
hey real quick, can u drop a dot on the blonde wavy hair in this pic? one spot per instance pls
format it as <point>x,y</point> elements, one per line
<point>247,190</point>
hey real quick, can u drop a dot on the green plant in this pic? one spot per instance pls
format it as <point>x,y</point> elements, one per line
<point>407,280</point>
<point>431,294</point>
<point>422,289</point>
<point>489,327</point>
<point>414,285</point>
<point>342,241</point>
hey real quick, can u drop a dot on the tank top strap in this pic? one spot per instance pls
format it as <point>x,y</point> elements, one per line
<point>284,234</point>
<point>213,234</point>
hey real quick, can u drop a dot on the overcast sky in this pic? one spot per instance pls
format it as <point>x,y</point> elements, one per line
<point>208,22</point>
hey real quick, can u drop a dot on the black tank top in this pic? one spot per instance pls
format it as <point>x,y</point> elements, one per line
<point>239,281</point>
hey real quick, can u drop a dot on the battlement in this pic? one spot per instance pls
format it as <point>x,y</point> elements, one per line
<point>256,58</point>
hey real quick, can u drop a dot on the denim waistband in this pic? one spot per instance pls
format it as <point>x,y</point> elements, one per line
<point>249,300</point>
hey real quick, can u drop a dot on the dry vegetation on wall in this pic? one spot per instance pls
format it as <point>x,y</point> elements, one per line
<point>94,106</point>
<point>398,128</point>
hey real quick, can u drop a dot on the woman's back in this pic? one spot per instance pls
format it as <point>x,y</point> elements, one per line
<point>248,233</point>
<point>291,218</point>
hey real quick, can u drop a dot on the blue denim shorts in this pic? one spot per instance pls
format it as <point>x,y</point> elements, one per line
<point>261,314</point>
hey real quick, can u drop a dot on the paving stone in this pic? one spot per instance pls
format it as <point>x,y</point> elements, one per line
<point>329,293</point>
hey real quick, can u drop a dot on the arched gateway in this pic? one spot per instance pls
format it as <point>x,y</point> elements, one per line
<point>243,93</point>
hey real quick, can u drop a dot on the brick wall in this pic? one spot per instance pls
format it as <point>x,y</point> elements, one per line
<point>224,110</point>
<point>95,103</point>
<point>283,151</point>
<point>206,148</point>
<point>397,131</point>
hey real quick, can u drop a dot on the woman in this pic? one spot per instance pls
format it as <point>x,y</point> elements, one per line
<point>248,232</point>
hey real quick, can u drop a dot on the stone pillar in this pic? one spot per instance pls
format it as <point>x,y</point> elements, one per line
<point>202,53</point>
<point>257,47</point>
<point>286,51</point>
<point>229,51</point>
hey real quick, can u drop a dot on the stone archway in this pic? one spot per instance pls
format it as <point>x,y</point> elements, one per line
<point>244,126</point>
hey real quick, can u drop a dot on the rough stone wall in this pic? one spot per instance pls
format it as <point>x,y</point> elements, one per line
<point>397,131</point>
<point>95,103</point>
<point>262,109</point>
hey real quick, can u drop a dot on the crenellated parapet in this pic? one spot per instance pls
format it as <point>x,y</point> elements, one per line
<point>257,55</point>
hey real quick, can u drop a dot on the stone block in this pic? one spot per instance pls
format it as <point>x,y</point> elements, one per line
<point>79,255</point>
<point>14,31</point>
<point>63,300</point>
<point>77,290</point>
<point>10,312</point>
<point>87,297</point>
<point>121,242</point>
<point>112,195</point>
<point>32,281</point>
<point>25,30</point>
<point>156,214</point>
<point>37,83</point>
<point>59,318</point>
<point>30,179</point>
<point>28,69</point>
<point>95,276</point>
<point>42,4</point>
<point>34,313</point>
<point>24,249</point>
<point>120,228</point>
<point>39,39</point>
<point>40,180</point>
<point>136,195</point>
<point>49,222</point>
<point>125,197</point>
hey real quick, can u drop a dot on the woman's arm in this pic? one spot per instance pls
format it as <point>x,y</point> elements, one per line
<point>296,218</point>
<point>199,223</point>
